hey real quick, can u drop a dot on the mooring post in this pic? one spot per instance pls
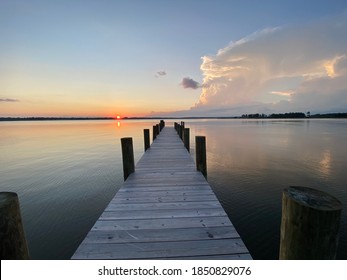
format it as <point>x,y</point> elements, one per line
<point>310,224</point>
<point>158,129</point>
<point>146,139</point>
<point>13,244</point>
<point>200,150</point>
<point>154,132</point>
<point>178,128</point>
<point>182,130</point>
<point>186,138</point>
<point>128,156</point>
<point>162,124</point>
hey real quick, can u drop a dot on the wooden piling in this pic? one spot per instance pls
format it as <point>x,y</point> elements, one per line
<point>157,128</point>
<point>178,128</point>
<point>146,139</point>
<point>162,124</point>
<point>154,132</point>
<point>13,244</point>
<point>200,150</point>
<point>310,224</point>
<point>186,138</point>
<point>182,130</point>
<point>128,156</point>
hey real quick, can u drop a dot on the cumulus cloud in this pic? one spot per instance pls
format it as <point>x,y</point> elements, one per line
<point>190,83</point>
<point>282,68</point>
<point>160,74</point>
<point>8,100</point>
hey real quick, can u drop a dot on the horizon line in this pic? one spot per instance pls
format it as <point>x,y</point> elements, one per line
<point>243,116</point>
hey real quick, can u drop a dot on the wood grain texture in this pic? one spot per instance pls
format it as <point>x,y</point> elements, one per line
<point>13,244</point>
<point>310,224</point>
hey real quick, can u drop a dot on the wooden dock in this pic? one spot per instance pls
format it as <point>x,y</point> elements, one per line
<point>164,210</point>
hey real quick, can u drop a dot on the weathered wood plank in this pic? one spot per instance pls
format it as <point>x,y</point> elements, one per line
<point>154,214</point>
<point>165,185</point>
<point>161,235</point>
<point>165,198</point>
<point>146,250</point>
<point>163,206</point>
<point>168,192</point>
<point>152,188</point>
<point>164,178</point>
<point>245,256</point>
<point>189,222</point>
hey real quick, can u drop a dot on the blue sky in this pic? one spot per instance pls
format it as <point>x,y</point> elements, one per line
<point>134,58</point>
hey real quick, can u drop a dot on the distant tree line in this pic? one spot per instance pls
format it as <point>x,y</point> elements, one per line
<point>293,115</point>
<point>331,115</point>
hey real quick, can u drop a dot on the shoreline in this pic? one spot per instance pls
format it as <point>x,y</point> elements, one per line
<point>254,116</point>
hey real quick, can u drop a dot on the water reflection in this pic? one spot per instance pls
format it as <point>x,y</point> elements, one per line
<point>251,162</point>
<point>325,162</point>
<point>66,172</point>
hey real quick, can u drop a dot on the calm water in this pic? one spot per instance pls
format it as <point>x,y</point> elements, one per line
<point>66,172</point>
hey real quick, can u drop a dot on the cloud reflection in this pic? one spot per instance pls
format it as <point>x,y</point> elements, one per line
<point>325,163</point>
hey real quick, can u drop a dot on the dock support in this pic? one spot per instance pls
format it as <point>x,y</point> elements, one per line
<point>186,138</point>
<point>154,132</point>
<point>310,224</point>
<point>178,128</point>
<point>13,244</point>
<point>146,139</point>
<point>200,143</point>
<point>128,156</point>
<point>181,130</point>
<point>162,124</point>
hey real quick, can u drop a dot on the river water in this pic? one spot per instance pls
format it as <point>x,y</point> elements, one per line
<point>66,172</point>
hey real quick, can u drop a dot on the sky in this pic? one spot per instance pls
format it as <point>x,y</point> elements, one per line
<point>172,58</point>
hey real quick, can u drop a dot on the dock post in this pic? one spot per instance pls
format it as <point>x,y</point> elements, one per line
<point>182,130</point>
<point>13,244</point>
<point>186,138</point>
<point>154,132</point>
<point>146,139</point>
<point>200,150</point>
<point>157,128</point>
<point>310,224</point>
<point>128,156</point>
<point>162,124</point>
<point>178,127</point>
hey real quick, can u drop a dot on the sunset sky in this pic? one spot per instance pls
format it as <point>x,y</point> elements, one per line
<point>172,58</point>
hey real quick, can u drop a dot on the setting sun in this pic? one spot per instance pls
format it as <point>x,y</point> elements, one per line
<point>118,117</point>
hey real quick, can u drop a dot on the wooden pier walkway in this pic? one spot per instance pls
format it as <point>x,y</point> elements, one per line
<point>164,210</point>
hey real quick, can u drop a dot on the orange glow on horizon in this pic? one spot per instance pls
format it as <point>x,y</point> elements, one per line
<point>118,117</point>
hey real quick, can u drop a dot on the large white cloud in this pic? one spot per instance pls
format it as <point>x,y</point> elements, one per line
<point>304,66</point>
